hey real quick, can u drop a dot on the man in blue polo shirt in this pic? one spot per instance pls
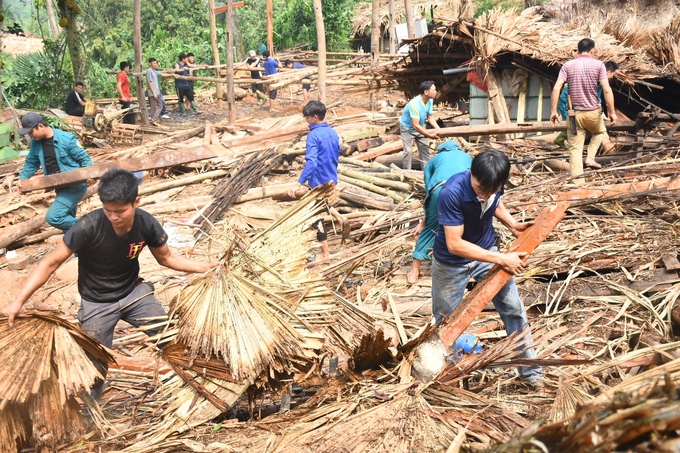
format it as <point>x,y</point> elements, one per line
<point>270,68</point>
<point>465,247</point>
<point>412,125</point>
<point>321,166</point>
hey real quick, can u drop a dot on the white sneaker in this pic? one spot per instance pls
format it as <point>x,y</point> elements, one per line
<point>165,117</point>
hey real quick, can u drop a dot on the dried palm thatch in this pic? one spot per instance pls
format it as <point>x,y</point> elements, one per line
<point>664,47</point>
<point>44,368</point>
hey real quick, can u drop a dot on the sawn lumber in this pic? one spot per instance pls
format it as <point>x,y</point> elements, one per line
<point>150,162</point>
<point>497,278</point>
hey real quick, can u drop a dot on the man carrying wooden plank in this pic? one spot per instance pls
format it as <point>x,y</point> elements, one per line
<point>253,62</point>
<point>108,242</point>
<point>583,74</point>
<point>153,90</point>
<point>271,66</point>
<point>322,157</point>
<point>55,151</point>
<point>306,87</point>
<point>465,247</point>
<point>412,125</point>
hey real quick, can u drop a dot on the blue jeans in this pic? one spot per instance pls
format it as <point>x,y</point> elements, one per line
<point>448,288</point>
<point>164,110</point>
<point>62,213</point>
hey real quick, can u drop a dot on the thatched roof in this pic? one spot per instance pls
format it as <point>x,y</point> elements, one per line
<point>362,21</point>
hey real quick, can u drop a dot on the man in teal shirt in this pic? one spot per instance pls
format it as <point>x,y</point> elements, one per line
<point>55,151</point>
<point>450,160</point>
<point>412,125</point>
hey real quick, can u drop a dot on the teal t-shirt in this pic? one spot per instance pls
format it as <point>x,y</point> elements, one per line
<point>416,109</point>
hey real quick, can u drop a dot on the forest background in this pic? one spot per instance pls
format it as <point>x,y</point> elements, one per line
<point>96,35</point>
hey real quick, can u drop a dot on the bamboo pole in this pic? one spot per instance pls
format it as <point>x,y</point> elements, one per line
<point>393,29</point>
<point>230,62</point>
<point>402,186</point>
<point>137,38</point>
<point>321,42</point>
<point>215,51</point>
<point>372,187</point>
<point>375,43</point>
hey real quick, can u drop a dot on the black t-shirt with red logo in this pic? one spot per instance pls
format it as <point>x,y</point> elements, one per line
<point>108,264</point>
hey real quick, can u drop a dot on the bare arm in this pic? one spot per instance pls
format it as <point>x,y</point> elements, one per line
<point>119,85</point>
<point>165,257</point>
<point>554,98</point>
<point>511,262</point>
<point>37,278</point>
<point>504,216</point>
<point>421,129</point>
<point>433,123</point>
<point>609,99</point>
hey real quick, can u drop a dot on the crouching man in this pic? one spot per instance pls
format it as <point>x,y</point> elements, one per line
<point>108,242</point>
<point>464,246</point>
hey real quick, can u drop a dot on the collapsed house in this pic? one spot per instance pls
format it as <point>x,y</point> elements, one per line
<point>267,356</point>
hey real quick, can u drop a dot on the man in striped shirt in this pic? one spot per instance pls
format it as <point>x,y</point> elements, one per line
<point>584,74</point>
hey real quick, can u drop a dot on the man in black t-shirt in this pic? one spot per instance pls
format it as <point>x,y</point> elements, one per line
<point>253,62</point>
<point>75,101</point>
<point>108,242</point>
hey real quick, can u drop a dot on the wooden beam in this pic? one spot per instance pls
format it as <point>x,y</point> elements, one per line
<point>410,22</point>
<point>321,43</point>
<point>149,162</point>
<point>215,51</point>
<point>270,27</point>
<point>139,79</point>
<point>375,46</point>
<point>509,128</point>
<point>231,113</point>
<point>497,278</point>
<point>393,30</point>
<point>222,9</point>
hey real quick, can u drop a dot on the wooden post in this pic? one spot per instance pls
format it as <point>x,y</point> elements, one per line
<point>539,110</point>
<point>522,103</point>
<point>139,79</point>
<point>321,42</point>
<point>410,22</point>
<point>270,27</point>
<point>230,62</point>
<point>393,30</point>
<point>375,43</point>
<point>216,54</point>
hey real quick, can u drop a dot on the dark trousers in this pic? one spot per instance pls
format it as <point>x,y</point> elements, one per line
<point>129,118</point>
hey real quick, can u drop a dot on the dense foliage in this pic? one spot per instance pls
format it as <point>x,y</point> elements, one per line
<point>169,27</point>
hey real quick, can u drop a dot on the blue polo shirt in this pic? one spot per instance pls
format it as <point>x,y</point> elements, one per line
<point>323,154</point>
<point>270,66</point>
<point>458,205</point>
<point>415,109</point>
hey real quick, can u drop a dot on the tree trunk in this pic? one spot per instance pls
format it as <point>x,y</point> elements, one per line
<point>78,59</point>
<point>270,27</point>
<point>52,19</point>
<point>139,79</point>
<point>393,30</point>
<point>238,38</point>
<point>215,51</point>
<point>230,62</point>
<point>375,44</point>
<point>321,42</point>
<point>410,23</point>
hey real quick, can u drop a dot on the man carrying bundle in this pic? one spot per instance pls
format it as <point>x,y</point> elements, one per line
<point>108,242</point>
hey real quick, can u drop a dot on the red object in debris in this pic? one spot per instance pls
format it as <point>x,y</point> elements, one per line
<point>473,78</point>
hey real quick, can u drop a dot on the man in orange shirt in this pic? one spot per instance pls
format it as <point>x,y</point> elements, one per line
<point>123,85</point>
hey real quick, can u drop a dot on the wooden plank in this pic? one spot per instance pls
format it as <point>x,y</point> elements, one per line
<point>380,150</point>
<point>222,9</point>
<point>497,278</point>
<point>150,162</point>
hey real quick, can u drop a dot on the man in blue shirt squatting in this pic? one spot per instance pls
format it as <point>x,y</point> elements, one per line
<point>465,247</point>
<point>450,160</point>
<point>55,151</point>
<point>270,68</point>
<point>412,125</point>
<point>108,242</point>
<point>306,87</point>
<point>322,157</point>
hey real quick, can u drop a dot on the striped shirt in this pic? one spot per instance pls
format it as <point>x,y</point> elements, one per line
<point>583,74</point>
